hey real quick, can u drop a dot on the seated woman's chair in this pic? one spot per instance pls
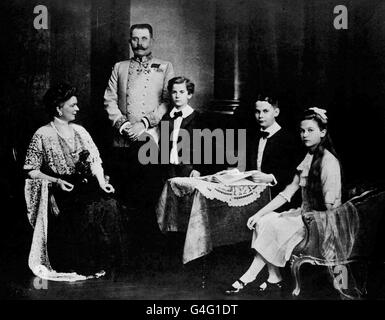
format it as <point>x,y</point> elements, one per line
<point>370,208</point>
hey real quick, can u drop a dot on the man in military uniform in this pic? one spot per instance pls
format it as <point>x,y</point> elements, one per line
<point>136,99</point>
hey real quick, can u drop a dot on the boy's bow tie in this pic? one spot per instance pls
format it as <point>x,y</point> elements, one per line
<point>264,134</point>
<point>177,114</point>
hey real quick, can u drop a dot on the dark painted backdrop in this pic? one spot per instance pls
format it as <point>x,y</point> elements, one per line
<point>288,46</point>
<point>295,49</point>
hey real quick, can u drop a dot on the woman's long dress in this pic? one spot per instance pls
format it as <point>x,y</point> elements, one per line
<point>88,231</point>
<point>277,234</point>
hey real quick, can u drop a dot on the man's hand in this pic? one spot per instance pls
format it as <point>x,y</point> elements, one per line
<point>195,174</point>
<point>260,177</point>
<point>134,131</point>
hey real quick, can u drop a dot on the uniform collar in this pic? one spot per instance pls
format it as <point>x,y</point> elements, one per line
<point>143,59</point>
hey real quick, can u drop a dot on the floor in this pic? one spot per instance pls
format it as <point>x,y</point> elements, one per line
<point>165,278</point>
<point>156,274</point>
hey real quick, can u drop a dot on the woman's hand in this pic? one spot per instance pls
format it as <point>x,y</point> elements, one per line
<point>64,185</point>
<point>253,221</point>
<point>107,188</point>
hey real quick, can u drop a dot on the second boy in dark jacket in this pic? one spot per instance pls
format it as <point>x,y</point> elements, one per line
<point>271,149</point>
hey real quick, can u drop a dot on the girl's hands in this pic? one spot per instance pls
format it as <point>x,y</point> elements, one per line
<point>64,185</point>
<point>253,221</point>
<point>308,217</point>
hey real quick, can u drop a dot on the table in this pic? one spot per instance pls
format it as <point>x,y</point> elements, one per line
<point>212,214</point>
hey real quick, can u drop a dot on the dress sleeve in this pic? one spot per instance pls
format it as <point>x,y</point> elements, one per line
<point>291,189</point>
<point>331,180</point>
<point>34,155</point>
<point>299,180</point>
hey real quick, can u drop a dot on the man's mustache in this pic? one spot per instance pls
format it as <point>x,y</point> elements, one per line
<point>139,47</point>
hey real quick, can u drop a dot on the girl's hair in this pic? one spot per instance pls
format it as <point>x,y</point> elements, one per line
<point>56,96</point>
<point>314,185</point>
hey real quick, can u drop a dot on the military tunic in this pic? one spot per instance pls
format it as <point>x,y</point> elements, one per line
<point>137,89</point>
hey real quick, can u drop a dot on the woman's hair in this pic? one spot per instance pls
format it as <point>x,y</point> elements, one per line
<point>314,184</point>
<point>190,86</point>
<point>56,96</point>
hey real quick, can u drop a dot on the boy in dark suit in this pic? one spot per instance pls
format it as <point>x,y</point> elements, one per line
<point>177,150</point>
<point>270,148</point>
<point>182,117</point>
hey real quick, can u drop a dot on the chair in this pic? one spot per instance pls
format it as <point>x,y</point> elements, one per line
<point>370,206</point>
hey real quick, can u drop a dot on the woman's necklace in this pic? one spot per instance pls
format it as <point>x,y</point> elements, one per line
<point>69,139</point>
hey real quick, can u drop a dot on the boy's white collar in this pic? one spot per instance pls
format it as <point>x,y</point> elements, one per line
<point>186,111</point>
<point>273,129</point>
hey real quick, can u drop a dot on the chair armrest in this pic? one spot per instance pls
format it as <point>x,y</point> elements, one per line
<point>310,245</point>
<point>299,249</point>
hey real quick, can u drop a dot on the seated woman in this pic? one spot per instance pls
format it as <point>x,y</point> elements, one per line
<point>84,222</point>
<point>276,234</point>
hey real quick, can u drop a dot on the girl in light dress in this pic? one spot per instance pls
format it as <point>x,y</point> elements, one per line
<point>275,235</point>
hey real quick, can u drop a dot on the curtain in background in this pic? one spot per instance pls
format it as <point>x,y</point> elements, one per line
<point>289,46</point>
<point>295,50</point>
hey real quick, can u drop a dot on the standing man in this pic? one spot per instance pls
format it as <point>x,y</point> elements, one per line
<point>136,99</point>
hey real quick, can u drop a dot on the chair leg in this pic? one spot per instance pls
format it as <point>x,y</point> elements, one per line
<point>296,264</point>
<point>204,272</point>
<point>365,284</point>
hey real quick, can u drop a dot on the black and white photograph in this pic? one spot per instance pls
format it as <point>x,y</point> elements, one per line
<point>206,152</point>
